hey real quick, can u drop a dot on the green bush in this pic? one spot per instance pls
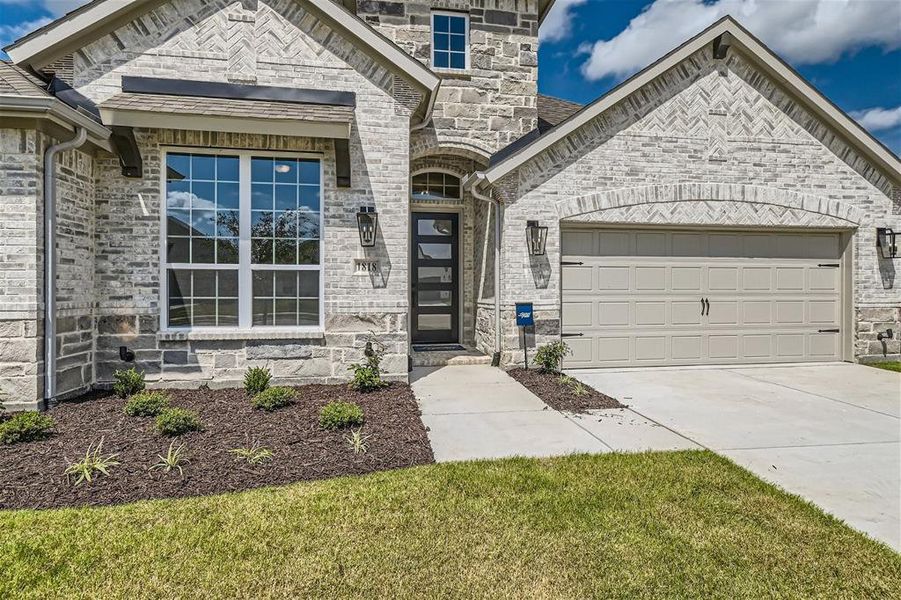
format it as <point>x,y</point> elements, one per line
<point>256,380</point>
<point>176,421</point>
<point>128,382</point>
<point>146,404</point>
<point>550,356</point>
<point>25,427</point>
<point>274,397</point>
<point>337,415</point>
<point>368,377</point>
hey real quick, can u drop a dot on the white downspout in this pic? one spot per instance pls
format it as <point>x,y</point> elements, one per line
<point>498,219</point>
<point>50,258</point>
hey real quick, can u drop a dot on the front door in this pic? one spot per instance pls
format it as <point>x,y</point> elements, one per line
<point>434,278</point>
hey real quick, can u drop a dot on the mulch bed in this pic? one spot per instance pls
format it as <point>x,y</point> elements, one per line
<point>32,473</point>
<point>560,396</point>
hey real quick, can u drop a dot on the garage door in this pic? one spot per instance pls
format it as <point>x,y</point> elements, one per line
<point>645,298</point>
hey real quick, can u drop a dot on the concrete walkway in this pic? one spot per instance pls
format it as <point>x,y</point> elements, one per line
<point>478,411</point>
<point>829,433</point>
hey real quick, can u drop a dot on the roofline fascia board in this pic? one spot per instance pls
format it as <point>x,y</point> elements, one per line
<point>67,32</point>
<point>750,47</point>
<point>59,112</point>
<point>116,117</point>
<point>545,12</point>
<point>235,91</point>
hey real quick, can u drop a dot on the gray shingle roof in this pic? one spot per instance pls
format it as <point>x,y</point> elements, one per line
<point>555,110</point>
<point>224,107</point>
<point>14,81</point>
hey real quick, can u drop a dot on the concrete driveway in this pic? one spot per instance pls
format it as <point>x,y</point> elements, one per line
<point>829,433</point>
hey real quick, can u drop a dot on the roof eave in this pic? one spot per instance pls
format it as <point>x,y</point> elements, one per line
<point>58,112</point>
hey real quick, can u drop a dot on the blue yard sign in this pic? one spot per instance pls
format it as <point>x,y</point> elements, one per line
<point>524,314</point>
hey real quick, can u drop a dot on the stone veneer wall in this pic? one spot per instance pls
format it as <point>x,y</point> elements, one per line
<point>705,122</point>
<point>267,43</point>
<point>22,269</point>
<point>21,174</point>
<point>492,103</point>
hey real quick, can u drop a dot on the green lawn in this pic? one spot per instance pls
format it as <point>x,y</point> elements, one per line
<point>642,525</point>
<point>888,366</point>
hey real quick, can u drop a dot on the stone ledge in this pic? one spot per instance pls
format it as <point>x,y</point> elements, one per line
<point>178,336</point>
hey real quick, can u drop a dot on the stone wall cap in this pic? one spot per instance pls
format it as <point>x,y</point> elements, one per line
<point>294,334</point>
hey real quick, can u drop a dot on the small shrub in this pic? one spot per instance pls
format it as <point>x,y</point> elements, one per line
<point>128,382</point>
<point>337,415</point>
<point>254,455</point>
<point>177,421</point>
<point>357,441</point>
<point>576,387</point>
<point>550,356</point>
<point>256,380</point>
<point>25,427</point>
<point>172,460</point>
<point>368,377</point>
<point>272,398</point>
<point>92,465</point>
<point>146,404</point>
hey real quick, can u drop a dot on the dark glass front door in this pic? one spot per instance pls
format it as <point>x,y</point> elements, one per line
<point>434,278</point>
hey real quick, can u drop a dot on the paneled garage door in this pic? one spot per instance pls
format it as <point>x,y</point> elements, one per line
<point>651,297</point>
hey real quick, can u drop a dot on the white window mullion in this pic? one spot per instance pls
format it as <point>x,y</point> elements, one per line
<point>245,275</point>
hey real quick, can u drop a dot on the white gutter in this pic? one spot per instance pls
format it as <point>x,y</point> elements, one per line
<point>427,117</point>
<point>48,107</point>
<point>498,219</point>
<point>50,259</point>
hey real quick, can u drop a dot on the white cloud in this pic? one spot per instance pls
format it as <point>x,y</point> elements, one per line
<point>878,119</point>
<point>54,7</point>
<point>10,33</point>
<point>801,31</point>
<point>557,23</point>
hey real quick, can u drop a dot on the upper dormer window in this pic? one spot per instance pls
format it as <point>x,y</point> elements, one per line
<point>450,40</point>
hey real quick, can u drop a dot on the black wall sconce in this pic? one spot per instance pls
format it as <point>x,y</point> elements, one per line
<point>885,241</point>
<point>367,223</point>
<point>536,238</point>
<point>126,355</point>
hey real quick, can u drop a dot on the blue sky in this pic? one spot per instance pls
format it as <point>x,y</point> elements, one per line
<point>849,49</point>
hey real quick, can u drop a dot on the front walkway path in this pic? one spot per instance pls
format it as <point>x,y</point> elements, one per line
<point>478,411</point>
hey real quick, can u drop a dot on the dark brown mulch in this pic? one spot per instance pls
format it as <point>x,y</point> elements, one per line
<point>560,396</point>
<point>32,473</point>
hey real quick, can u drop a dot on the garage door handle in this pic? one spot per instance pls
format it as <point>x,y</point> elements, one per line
<point>568,263</point>
<point>705,306</point>
<point>827,330</point>
<point>571,334</point>
<point>828,265</point>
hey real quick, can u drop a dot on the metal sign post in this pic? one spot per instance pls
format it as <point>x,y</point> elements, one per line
<point>524,318</point>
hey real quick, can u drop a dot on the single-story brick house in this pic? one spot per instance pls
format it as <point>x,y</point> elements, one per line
<point>229,183</point>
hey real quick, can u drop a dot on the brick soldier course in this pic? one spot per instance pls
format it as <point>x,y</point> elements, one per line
<point>713,142</point>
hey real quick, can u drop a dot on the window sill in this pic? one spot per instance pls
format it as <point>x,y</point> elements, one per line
<point>234,334</point>
<point>453,73</point>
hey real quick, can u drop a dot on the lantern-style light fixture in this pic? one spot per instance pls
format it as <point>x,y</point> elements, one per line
<point>367,223</point>
<point>536,238</point>
<point>885,241</point>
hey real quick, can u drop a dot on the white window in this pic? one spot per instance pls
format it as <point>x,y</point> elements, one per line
<point>450,40</point>
<point>241,240</point>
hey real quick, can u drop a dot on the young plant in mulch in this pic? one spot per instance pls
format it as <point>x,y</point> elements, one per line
<point>367,377</point>
<point>254,455</point>
<point>177,421</point>
<point>172,460</point>
<point>339,415</point>
<point>273,398</point>
<point>146,404</point>
<point>128,382</point>
<point>25,427</point>
<point>549,357</point>
<point>357,441</point>
<point>92,465</point>
<point>256,380</point>
<point>575,386</point>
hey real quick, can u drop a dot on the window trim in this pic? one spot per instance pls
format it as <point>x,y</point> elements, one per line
<point>448,13</point>
<point>244,267</point>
